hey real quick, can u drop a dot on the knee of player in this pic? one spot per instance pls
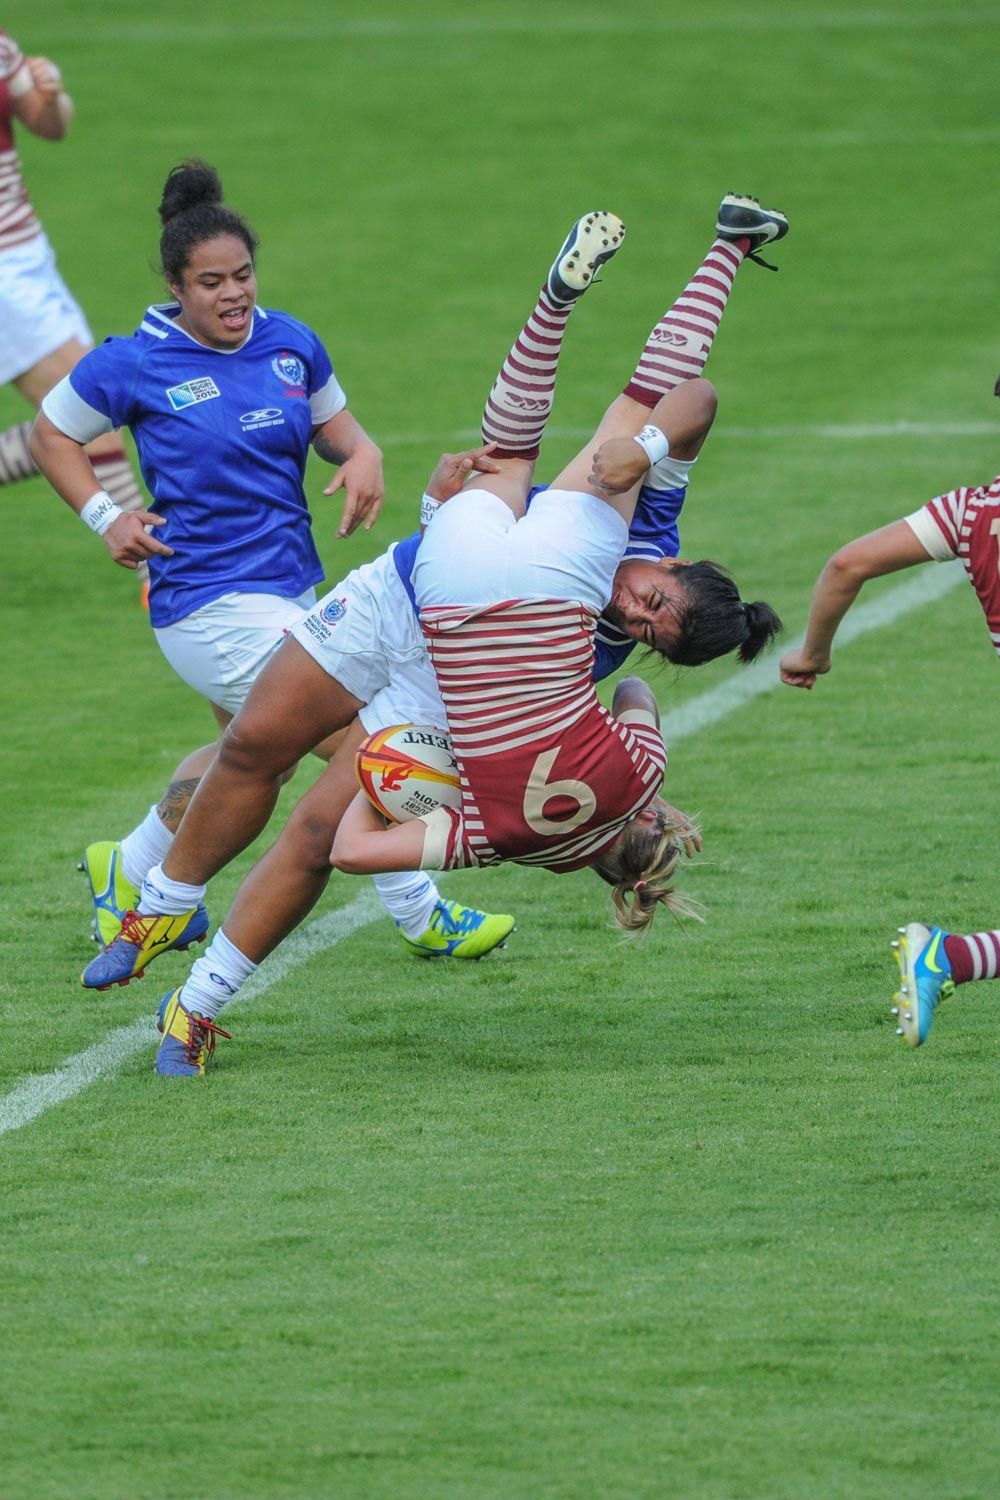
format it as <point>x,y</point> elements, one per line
<point>308,836</point>
<point>249,749</point>
<point>706,398</point>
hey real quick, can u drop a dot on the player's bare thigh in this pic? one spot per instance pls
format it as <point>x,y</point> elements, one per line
<point>292,708</point>
<point>512,484</point>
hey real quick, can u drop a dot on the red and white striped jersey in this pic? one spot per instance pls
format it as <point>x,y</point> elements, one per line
<point>549,776</point>
<point>18,221</point>
<point>965,524</point>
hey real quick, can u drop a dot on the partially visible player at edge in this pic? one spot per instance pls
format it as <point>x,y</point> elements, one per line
<point>42,329</point>
<point>224,399</point>
<point>963,524</point>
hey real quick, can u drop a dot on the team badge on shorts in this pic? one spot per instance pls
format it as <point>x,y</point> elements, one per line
<point>333,611</point>
<point>289,368</point>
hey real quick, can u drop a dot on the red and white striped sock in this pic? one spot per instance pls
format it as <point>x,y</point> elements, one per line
<point>679,345</point>
<point>520,402</point>
<point>974,957</point>
<point>15,460</point>
<point>115,475</point>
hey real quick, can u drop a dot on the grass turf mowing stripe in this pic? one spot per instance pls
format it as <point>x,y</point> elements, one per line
<point>35,1095</point>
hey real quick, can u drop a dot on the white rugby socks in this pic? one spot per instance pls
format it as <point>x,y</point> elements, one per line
<point>216,977</point>
<point>145,847</point>
<point>410,898</point>
<point>162,897</point>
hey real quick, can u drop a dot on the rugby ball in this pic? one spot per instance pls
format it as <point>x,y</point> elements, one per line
<point>408,770</point>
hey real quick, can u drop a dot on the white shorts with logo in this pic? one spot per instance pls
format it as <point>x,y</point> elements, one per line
<point>37,312</point>
<point>365,633</point>
<point>474,551</point>
<point>221,649</point>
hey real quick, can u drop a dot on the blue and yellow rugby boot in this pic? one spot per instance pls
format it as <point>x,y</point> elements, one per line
<point>113,894</point>
<point>188,1039</point>
<point>140,940</point>
<point>925,980</point>
<point>457,931</point>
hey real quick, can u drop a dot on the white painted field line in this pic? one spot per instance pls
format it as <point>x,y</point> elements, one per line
<point>926,585</point>
<point>377,29</point>
<point>35,1095</point>
<point>843,432</point>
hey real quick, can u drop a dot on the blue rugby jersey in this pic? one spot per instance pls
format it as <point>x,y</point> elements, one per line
<point>652,535</point>
<point>223,438</point>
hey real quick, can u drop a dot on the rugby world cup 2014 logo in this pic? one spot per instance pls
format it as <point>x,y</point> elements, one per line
<point>289,369</point>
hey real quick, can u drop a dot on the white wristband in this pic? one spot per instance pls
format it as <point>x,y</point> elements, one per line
<point>100,512</point>
<point>653,443</point>
<point>428,505</point>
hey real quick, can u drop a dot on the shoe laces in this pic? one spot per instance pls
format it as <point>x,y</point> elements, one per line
<point>201,1033</point>
<point>135,928</point>
<point>458,921</point>
<point>760,261</point>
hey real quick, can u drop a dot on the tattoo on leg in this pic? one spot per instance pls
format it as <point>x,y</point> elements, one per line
<point>175,800</point>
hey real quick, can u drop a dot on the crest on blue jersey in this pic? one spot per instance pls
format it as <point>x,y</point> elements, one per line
<point>289,368</point>
<point>333,610</point>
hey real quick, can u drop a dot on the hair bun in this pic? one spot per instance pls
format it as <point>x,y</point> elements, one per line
<point>189,184</point>
<point>763,625</point>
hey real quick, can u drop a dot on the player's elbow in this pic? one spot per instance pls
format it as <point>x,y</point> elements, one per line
<point>42,439</point>
<point>346,857</point>
<point>849,568</point>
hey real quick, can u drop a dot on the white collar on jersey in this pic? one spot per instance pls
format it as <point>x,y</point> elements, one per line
<point>161,320</point>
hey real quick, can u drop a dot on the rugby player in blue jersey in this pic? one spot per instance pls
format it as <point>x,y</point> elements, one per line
<point>224,400</point>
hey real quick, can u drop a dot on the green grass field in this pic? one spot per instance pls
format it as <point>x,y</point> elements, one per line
<point>676,1219</point>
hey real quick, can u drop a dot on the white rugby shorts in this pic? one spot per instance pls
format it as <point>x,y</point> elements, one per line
<point>365,633</point>
<point>474,551</point>
<point>220,649</point>
<point>37,312</point>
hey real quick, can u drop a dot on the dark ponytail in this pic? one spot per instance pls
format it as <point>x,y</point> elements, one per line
<point>762,626</point>
<point>192,211</point>
<point>714,619</point>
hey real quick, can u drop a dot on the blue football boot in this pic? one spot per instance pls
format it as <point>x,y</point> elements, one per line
<point>925,980</point>
<point>113,894</point>
<point>188,1039</point>
<point>140,940</point>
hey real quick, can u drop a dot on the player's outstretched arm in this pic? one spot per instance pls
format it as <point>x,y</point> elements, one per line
<point>342,440</point>
<point>364,845</point>
<point>884,551</point>
<point>70,473</point>
<point>44,109</point>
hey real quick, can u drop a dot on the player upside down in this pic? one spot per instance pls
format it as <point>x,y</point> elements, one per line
<point>360,651</point>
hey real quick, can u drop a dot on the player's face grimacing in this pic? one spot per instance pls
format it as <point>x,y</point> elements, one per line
<point>647,602</point>
<point>217,292</point>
